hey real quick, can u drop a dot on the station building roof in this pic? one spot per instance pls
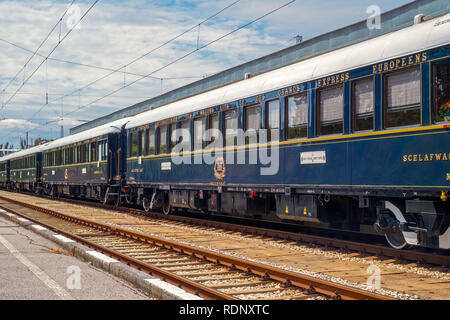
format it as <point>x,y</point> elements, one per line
<point>391,21</point>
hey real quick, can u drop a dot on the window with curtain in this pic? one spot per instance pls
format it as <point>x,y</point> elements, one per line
<point>94,155</point>
<point>363,105</point>
<point>214,132</point>
<point>180,135</point>
<point>403,98</point>
<point>134,144</point>
<point>331,110</point>
<point>150,133</point>
<point>199,131</point>
<point>297,116</point>
<point>162,141</point>
<point>273,120</point>
<point>142,143</point>
<point>252,118</point>
<point>230,128</point>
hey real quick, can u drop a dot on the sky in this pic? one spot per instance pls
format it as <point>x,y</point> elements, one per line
<point>114,33</point>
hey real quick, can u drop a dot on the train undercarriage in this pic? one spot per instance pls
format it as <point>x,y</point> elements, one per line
<point>404,222</point>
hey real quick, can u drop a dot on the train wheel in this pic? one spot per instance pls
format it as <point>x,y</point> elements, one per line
<point>117,200</point>
<point>105,197</point>
<point>146,204</point>
<point>396,239</point>
<point>167,208</point>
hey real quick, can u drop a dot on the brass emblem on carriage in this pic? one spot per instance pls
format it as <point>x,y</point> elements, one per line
<point>66,174</point>
<point>219,168</point>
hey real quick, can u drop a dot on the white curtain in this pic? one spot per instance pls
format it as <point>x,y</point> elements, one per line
<point>332,104</point>
<point>404,89</point>
<point>273,113</point>
<point>298,110</point>
<point>253,118</point>
<point>364,96</point>
<point>199,130</point>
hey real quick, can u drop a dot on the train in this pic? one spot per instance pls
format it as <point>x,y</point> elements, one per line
<point>356,139</point>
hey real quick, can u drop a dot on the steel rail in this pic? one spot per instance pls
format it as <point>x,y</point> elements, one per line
<point>364,248</point>
<point>181,282</point>
<point>306,283</point>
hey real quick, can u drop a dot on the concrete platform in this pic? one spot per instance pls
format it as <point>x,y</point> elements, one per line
<point>38,264</point>
<point>33,267</point>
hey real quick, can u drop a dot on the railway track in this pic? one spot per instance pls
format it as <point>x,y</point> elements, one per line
<point>401,278</point>
<point>416,256</point>
<point>209,274</point>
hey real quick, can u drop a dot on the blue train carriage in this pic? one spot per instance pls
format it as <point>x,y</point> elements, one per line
<point>357,139</point>
<point>23,170</point>
<point>4,173</point>
<point>86,165</point>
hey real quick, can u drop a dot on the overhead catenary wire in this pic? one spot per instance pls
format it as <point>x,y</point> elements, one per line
<point>94,66</point>
<point>51,52</point>
<point>141,57</point>
<point>39,47</point>
<point>150,52</point>
<point>173,62</point>
<point>185,56</point>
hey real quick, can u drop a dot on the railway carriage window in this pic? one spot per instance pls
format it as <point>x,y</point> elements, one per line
<point>100,150</point>
<point>214,132</point>
<point>79,154</point>
<point>199,131</point>
<point>142,143</point>
<point>297,116</point>
<point>71,156</point>
<point>363,105</point>
<point>70,159</point>
<point>252,118</point>
<point>59,157</point>
<point>231,127</point>
<point>442,92</point>
<point>173,136</point>
<point>403,98</point>
<point>82,153</point>
<point>331,110</point>
<point>105,151</point>
<point>134,144</point>
<point>162,141</point>
<point>86,152</point>
<point>94,154</point>
<point>273,121</point>
<point>183,135</point>
<point>151,141</point>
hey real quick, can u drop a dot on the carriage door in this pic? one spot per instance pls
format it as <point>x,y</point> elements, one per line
<point>113,167</point>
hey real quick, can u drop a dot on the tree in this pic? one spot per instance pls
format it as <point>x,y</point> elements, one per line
<point>6,146</point>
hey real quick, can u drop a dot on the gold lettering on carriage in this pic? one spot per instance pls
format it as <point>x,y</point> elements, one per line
<point>289,91</point>
<point>426,157</point>
<point>333,80</point>
<point>400,63</point>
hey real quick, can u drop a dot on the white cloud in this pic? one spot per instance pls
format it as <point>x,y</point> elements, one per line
<point>114,33</point>
<point>20,124</point>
